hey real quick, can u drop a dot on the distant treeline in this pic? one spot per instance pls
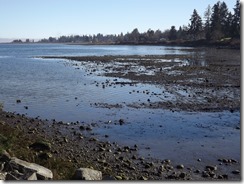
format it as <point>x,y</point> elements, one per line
<point>218,24</point>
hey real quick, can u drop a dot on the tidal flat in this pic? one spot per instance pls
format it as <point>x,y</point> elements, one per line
<point>171,116</point>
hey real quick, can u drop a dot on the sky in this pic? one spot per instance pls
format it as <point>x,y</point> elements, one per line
<point>36,19</point>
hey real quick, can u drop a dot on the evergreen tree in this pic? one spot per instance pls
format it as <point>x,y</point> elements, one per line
<point>195,28</point>
<point>172,33</point>
<point>224,13</point>
<point>216,32</point>
<point>207,16</point>
<point>134,36</point>
<point>229,25</point>
<point>236,20</point>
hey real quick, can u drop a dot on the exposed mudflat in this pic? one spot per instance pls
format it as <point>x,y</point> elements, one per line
<point>178,116</point>
<point>206,80</point>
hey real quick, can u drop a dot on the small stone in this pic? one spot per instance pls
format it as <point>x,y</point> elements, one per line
<point>82,127</point>
<point>225,176</point>
<point>197,171</point>
<point>220,177</point>
<point>167,161</point>
<point>147,166</point>
<point>92,139</point>
<point>18,101</point>
<point>212,175</point>
<point>102,149</point>
<point>118,178</point>
<point>180,166</point>
<point>225,160</point>
<point>88,128</point>
<point>65,139</point>
<point>143,178</point>
<point>182,175</point>
<point>211,168</point>
<point>134,157</point>
<point>205,175</point>
<point>233,161</point>
<point>121,121</point>
<point>236,172</point>
<point>199,160</point>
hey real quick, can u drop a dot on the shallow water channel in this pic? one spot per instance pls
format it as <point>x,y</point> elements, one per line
<point>67,91</point>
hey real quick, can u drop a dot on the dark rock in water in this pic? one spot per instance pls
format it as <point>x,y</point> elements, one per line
<point>236,172</point>
<point>233,161</point>
<point>88,128</point>
<point>121,121</point>
<point>82,127</point>
<point>180,166</point>
<point>211,168</point>
<point>40,146</point>
<point>18,101</point>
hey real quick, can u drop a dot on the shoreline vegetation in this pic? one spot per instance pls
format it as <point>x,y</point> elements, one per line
<point>221,44</point>
<point>218,28</point>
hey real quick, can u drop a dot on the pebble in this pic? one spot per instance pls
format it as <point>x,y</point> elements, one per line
<point>180,166</point>
<point>118,177</point>
<point>18,101</point>
<point>167,161</point>
<point>236,172</point>
<point>182,175</point>
<point>121,121</point>
<point>143,178</point>
<point>211,168</point>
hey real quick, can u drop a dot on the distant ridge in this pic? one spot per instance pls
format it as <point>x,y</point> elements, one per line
<point>6,40</point>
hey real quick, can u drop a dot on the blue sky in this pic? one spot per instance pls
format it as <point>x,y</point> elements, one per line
<point>43,18</point>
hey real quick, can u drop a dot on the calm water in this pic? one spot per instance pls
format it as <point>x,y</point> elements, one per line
<point>53,89</point>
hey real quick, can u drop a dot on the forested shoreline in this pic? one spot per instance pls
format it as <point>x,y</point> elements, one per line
<point>218,27</point>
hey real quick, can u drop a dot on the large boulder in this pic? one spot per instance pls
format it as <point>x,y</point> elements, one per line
<point>2,176</point>
<point>87,174</point>
<point>31,169</point>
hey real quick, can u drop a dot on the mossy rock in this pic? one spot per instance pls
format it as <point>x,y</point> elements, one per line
<point>41,146</point>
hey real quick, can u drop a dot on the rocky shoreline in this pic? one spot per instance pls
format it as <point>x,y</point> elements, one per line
<point>68,146</point>
<point>64,147</point>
